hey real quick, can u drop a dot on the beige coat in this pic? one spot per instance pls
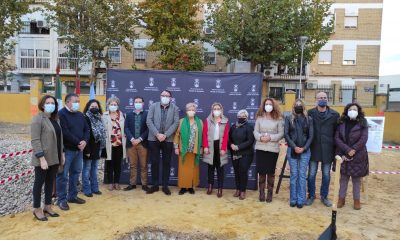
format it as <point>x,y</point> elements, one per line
<point>108,124</point>
<point>274,128</point>
<point>44,139</point>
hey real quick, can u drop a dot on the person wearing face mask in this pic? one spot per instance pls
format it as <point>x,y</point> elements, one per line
<point>299,133</point>
<point>136,134</point>
<point>162,121</point>
<point>322,147</point>
<point>215,144</point>
<point>76,135</point>
<point>351,138</point>
<point>114,121</point>
<point>241,140</point>
<point>187,144</point>
<point>91,153</point>
<point>47,157</point>
<point>268,131</point>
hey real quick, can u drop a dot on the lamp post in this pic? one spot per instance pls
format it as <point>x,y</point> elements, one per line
<point>302,43</point>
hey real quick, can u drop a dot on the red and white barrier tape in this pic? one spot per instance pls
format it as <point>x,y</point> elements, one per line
<point>16,177</point>
<point>372,172</point>
<point>6,155</point>
<point>391,147</point>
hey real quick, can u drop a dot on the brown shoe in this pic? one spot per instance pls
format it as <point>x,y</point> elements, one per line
<point>236,194</point>
<point>209,189</point>
<point>219,194</point>
<point>357,204</point>
<point>242,196</point>
<point>261,188</point>
<point>117,187</point>
<point>341,202</point>
<point>110,187</point>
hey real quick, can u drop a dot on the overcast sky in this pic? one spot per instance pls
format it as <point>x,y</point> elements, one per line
<point>390,42</point>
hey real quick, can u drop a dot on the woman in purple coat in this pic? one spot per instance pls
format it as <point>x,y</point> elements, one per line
<point>351,139</point>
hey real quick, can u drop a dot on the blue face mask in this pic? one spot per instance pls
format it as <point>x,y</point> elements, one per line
<point>138,106</point>
<point>49,108</point>
<point>322,103</point>
<point>75,106</point>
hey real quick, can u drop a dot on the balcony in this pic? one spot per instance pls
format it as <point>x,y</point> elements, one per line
<point>281,72</point>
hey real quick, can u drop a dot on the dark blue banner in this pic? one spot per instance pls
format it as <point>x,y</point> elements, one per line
<point>234,90</point>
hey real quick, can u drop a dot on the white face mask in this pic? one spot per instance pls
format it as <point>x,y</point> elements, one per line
<point>191,113</point>
<point>138,106</point>
<point>75,106</point>
<point>268,108</point>
<point>165,100</point>
<point>217,113</point>
<point>112,108</point>
<point>352,114</point>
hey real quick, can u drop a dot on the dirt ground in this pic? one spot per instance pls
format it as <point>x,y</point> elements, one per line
<point>113,214</point>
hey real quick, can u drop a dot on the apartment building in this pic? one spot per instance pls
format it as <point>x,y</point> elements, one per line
<point>347,67</point>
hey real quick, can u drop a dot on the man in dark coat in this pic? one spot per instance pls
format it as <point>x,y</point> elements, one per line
<point>322,147</point>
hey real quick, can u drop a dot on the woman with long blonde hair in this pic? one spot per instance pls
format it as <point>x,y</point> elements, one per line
<point>268,131</point>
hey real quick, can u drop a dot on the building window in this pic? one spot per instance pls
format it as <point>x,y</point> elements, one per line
<point>276,93</point>
<point>325,57</point>
<point>140,54</point>
<point>67,57</point>
<point>38,27</point>
<point>26,27</point>
<point>27,58</point>
<point>350,18</point>
<point>114,54</point>
<point>42,58</point>
<point>349,55</point>
<point>210,58</point>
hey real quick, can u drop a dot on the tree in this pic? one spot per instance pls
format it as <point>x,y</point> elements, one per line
<point>90,27</point>
<point>263,32</point>
<point>175,31</point>
<point>10,22</point>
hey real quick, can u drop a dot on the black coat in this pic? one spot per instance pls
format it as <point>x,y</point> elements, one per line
<point>243,137</point>
<point>130,128</point>
<point>292,133</point>
<point>323,145</point>
<point>92,148</point>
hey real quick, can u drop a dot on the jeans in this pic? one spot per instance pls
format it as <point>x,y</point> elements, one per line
<point>70,176</point>
<point>90,183</point>
<point>298,176</point>
<point>166,149</point>
<point>326,177</point>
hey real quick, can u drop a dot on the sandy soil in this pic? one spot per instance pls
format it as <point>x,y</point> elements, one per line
<point>113,214</point>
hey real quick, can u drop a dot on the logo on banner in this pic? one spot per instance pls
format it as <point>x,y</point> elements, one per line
<point>113,87</point>
<point>253,91</point>
<point>234,105</point>
<point>173,87</point>
<point>250,173</point>
<point>236,91</point>
<point>130,104</point>
<point>252,115</point>
<point>131,89</point>
<point>151,102</point>
<point>151,86</point>
<point>252,104</point>
<point>199,109</point>
<point>232,170</point>
<point>113,95</point>
<point>218,83</point>
<point>131,101</point>
<point>196,87</point>
<point>172,172</point>
<point>173,100</point>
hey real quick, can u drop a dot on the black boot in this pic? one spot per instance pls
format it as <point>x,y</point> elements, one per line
<point>261,187</point>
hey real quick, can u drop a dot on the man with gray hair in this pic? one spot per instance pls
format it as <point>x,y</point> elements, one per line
<point>162,121</point>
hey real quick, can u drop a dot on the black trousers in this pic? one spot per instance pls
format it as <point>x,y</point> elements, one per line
<point>216,165</point>
<point>166,149</point>
<point>113,166</point>
<point>241,167</point>
<point>47,177</point>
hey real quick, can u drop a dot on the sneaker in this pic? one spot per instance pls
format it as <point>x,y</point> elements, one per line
<point>309,201</point>
<point>326,202</point>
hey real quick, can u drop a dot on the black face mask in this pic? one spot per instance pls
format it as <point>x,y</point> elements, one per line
<point>298,109</point>
<point>94,110</point>
<point>241,120</point>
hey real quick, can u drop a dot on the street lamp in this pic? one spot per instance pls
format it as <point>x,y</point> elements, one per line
<point>302,43</point>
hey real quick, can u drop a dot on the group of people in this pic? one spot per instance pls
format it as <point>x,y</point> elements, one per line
<point>68,144</point>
